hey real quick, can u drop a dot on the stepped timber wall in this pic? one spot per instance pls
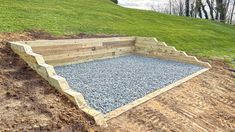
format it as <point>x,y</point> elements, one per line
<point>37,63</point>
<point>153,48</point>
<point>62,52</point>
<point>42,55</point>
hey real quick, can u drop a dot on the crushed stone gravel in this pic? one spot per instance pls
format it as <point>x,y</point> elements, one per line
<point>111,83</point>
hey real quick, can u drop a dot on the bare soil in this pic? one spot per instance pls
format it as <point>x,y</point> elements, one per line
<point>35,35</point>
<point>204,103</point>
<point>28,102</point>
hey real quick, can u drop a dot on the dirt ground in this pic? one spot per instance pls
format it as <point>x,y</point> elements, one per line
<point>204,103</point>
<point>27,102</point>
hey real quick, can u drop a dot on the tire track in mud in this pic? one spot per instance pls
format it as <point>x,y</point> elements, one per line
<point>206,104</point>
<point>150,120</point>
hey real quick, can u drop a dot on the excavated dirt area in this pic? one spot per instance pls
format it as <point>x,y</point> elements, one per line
<point>206,102</point>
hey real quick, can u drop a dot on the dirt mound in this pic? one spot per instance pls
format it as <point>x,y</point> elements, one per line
<point>35,34</point>
<point>28,102</point>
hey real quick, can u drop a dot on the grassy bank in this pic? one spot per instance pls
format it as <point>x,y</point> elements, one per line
<point>195,36</point>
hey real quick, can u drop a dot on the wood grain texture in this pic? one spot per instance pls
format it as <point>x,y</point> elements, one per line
<point>37,63</point>
<point>153,48</point>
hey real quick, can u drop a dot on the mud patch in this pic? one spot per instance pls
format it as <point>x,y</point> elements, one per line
<point>37,34</point>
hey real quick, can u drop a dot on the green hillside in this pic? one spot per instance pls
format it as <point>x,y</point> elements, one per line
<point>195,36</point>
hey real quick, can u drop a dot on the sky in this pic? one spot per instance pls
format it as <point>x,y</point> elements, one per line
<point>148,4</point>
<point>142,4</point>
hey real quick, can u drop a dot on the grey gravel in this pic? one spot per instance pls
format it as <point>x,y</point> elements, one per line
<point>111,83</point>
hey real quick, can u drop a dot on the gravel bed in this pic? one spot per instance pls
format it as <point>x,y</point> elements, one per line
<point>111,83</point>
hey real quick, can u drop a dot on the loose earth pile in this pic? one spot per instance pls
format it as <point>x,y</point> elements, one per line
<point>111,83</point>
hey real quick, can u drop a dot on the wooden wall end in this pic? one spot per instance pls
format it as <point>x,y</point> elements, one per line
<point>37,63</point>
<point>153,48</point>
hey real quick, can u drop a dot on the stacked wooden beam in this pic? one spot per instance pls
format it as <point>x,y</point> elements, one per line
<point>76,51</point>
<point>153,48</point>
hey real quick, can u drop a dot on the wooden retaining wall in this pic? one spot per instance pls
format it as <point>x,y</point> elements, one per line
<point>153,48</point>
<point>37,63</point>
<point>42,55</point>
<point>62,52</point>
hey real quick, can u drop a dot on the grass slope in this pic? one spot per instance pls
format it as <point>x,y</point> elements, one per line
<point>195,36</point>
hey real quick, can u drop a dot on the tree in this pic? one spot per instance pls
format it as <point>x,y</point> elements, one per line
<point>204,10</point>
<point>222,9</point>
<point>232,13</point>
<point>170,5</point>
<point>187,8</point>
<point>211,8</point>
<point>192,10</point>
<point>199,8</point>
<point>181,8</point>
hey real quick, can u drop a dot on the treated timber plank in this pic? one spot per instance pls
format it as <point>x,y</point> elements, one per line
<point>148,42</point>
<point>159,44</point>
<point>128,42</point>
<point>165,52</point>
<point>82,59</point>
<point>65,47</point>
<point>189,59</point>
<point>162,51</point>
<point>158,48</point>
<point>39,43</point>
<point>86,53</point>
<point>146,39</point>
<point>94,54</point>
<point>57,50</point>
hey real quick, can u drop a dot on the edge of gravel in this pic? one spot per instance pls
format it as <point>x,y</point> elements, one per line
<point>37,63</point>
<point>149,96</point>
